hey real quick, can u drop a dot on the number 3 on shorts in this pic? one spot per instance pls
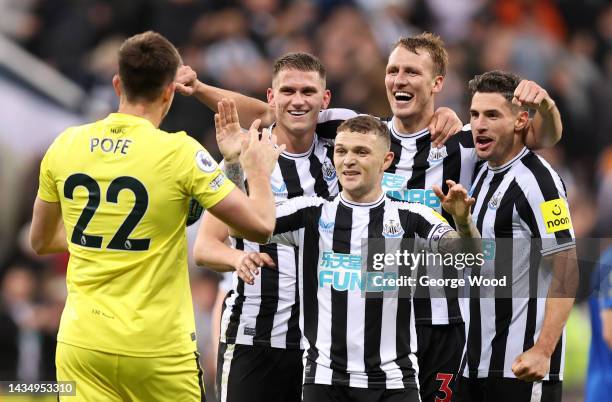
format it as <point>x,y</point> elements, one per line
<point>444,387</point>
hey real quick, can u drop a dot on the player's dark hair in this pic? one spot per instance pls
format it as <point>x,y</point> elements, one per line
<point>299,61</point>
<point>366,124</point>
<point>432,44</point>
<point>496,81</point>
<point>147,63</point>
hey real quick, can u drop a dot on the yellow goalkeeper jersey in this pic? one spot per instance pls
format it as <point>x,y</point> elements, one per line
<point>124,188</point>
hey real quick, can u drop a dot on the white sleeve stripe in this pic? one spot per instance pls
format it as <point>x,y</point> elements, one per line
<point>559,248</point>
<point>335,114</point>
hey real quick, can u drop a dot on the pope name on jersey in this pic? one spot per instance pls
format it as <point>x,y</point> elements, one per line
<point>353,340</point>
<point>267,313</point>
<point>130,184</point>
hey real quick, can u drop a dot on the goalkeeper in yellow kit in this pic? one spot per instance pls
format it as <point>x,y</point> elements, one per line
<point>115,194</point>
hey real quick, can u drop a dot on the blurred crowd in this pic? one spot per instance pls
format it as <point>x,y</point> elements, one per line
<point>564,45</point>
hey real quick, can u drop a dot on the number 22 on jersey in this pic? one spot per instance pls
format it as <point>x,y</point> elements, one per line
<point>120,240</point>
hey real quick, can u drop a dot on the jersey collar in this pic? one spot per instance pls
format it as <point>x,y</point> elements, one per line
<point>352,204</point>
<point>401,135</point>
<point>511,162</point>
<point>290,155</point>
<point>129,118</point>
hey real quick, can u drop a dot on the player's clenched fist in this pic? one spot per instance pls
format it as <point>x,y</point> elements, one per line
<point>248,265</point>
<point>185,81</point>
<point>532,365</point>
<point>444,124</point>
<point>529,94</point>
<point>260,153</point>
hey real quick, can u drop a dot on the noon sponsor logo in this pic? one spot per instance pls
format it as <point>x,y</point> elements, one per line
<point>556,215</point>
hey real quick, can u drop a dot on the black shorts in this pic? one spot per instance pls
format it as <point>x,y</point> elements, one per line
<point>258,374</point>
<point>342,393</point>
<point>439,352</point>
<point>496,389</point>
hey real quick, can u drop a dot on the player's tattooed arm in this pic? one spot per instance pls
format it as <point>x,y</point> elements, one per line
<point>458,203</point>
<point>466,239</point>
<point>234,172</point>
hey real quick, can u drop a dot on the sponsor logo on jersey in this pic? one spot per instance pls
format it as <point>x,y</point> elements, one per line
<point>437,155</point>
<point>280,190</point>
<point>343,272</point>
<point>216,183</point>
<point>326,226</point>
<point>488,249</point>
<point>392,228</point>
<point>340,271</point>
<point>425,197</point>
<point>556,215</point>
<point>329,172</point>
<point>205,162</point>
<point>391,182</point>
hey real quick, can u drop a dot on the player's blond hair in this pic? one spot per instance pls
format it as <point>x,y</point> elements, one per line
<point>432,44</point>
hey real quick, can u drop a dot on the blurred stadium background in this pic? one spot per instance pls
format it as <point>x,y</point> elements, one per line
<point>57,58</point>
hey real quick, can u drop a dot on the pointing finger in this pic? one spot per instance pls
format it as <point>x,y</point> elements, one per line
<point>438,191</point>
<point>267,260</point>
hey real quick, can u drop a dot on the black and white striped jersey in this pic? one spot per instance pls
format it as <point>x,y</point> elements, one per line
<point>354,340</point>
<point>522,199</point>
<point>267,312</point>
<point>416,167</point>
